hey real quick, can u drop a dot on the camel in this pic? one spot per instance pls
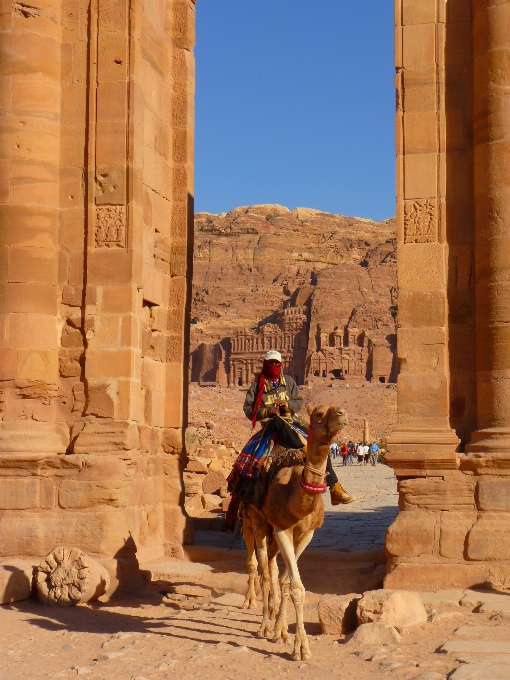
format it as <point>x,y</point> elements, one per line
<point>292,509</point>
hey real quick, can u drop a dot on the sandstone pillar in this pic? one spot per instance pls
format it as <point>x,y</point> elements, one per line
<point>96,237</point>
<point>423,439</point>
<point>30,64</point>
<point>491,30</point>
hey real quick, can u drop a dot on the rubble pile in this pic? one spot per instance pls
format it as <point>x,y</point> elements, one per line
<point>210,460</point>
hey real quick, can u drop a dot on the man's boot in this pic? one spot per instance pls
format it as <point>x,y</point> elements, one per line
<point>340,495</point>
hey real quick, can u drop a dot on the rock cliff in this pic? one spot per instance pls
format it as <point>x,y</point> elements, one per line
<point>250,262</point>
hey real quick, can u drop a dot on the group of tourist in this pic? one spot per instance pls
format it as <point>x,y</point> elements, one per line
<point>363,453</point>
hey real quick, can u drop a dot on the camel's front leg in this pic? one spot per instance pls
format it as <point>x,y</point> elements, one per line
<point>290,554</point>
<point>250,601</point>
<point>261,543</point>
<point>274,592</point>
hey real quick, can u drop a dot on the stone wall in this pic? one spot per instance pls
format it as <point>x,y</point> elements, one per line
<point>451,448</point>
<point>95,259</point>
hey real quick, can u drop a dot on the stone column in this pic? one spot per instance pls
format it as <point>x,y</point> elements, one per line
<point>30,65</point>
<point>423,439</point>
<point>491,30</point>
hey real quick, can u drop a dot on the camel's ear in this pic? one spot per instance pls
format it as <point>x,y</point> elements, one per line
<point>309,408</point>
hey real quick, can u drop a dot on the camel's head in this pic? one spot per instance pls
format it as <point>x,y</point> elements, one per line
<point>327,421</point>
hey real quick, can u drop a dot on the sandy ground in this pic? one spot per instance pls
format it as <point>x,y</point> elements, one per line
<point>150,639</point>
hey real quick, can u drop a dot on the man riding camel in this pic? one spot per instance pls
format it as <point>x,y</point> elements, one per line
<point>272,400</point>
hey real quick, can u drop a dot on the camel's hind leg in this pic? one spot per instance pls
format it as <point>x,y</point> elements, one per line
<point>260,533</point>
<point>250,601</point>
<point>291,553</point>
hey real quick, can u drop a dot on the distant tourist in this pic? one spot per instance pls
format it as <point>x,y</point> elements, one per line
<point>366,453</point>
<point>360,452</point>
<point>344,451</point>
<point>350,456</point>
<point>374,453</point>
<point>333,449</point>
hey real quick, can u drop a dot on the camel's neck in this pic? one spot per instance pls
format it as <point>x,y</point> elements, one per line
<point>317,454</point>
<point>307,492</point>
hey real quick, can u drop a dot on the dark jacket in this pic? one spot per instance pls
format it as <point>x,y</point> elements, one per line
<point>287,391</point>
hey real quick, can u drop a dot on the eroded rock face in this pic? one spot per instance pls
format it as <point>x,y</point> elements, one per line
<point>253,261</point>
<point>67,577</point>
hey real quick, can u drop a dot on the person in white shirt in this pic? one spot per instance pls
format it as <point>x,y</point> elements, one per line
<point>360,453</point>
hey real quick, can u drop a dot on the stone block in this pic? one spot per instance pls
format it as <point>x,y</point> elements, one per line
<point>28,226</point>
<point>374,634</point>
<point>412,534</point>
<point>454,530</point>
<point>174,524</point>
<point>81,494</point>
<point>8,363</point>
<point>33,438</point>
<point>418,12</point>
<point>213,482</point>
<point>430,577</point>
<point>197,467</point>
<point>173,490</point>
<point>400,608</point>
<point>193,506</point>
<point>16,580</point>
<point>420,176</point>
<point>421,132</point>
<point>192,484</point>
<point>437,494</point>
<point>22,533</point>
<point>489,539</point>
<point>419,45</point>
<point>481,670</point>
<point>337,613</point>
<point>211,501</point>
<point>26,493</point>
<point>107,437</point>
<point>494,494</point>
<point>215,465</point>
<point>37,365</point>
<point>38,298</point>
<point>100,468</point>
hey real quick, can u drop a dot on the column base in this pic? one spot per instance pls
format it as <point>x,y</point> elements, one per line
<point>419,453</point>
<point>491,440</point>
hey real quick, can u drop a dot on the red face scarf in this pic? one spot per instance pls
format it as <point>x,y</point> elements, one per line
<point>269,372</point>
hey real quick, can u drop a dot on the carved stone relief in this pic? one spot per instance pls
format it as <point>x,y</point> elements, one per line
<point>420,221</point>
<point>110,226</point>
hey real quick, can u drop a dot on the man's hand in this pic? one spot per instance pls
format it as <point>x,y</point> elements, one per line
<point>275,408</point>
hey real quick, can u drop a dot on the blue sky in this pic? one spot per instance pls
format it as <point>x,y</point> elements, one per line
<point>295,104</point>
